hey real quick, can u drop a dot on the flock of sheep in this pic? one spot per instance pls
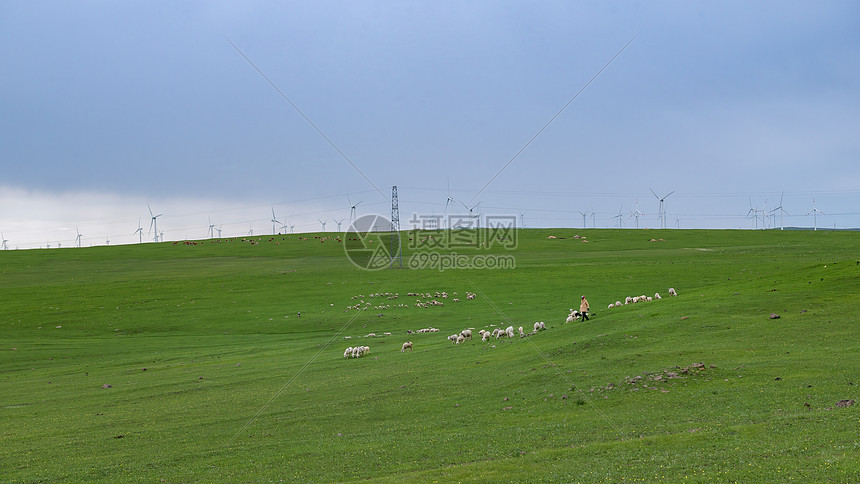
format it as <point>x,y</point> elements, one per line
<point>425,300</point>
<point>642,298</point>
<point>497,333</point>
<point>356,352</point>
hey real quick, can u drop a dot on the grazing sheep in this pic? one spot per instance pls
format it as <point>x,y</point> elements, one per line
<point>537,327</point>
<point>618,303</point>
<point>635,299</point>
<point>611,306</point>
<point>672,291</point>
<point>648,299</point>
<point>466,333</point>
<point>347,352</point>
<point>570,317</point>
<point>460,338</point>
<point>485,336</point>
<point>628,300</point>
<point>521,332</point>
<point>657,295</point>
<point>453,338</point>
<point>510,331</point>
<point>406,346</point>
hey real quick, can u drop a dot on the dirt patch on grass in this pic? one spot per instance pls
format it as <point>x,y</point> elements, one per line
<point>657,380</point>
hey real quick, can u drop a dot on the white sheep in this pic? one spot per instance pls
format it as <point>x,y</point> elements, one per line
<point>522,335</point>
<point>485,336</point>
<point>672,291</point>
<point>460,338</point>
<point>466,333</point>
<point>648,299</point>
<point>537,327</point>
<point>347,352</point>
<point>618,304</point>
<point>406,346</point>
<point>657,295</point>
<point>453,338</point>
<point>628,300</point>
<point>510,331</point>
<point>610,306</point>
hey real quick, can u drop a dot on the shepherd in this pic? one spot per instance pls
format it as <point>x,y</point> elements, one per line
<point>583,308</point>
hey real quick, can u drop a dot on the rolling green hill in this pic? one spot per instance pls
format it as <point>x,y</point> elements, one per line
<point>223,360</point>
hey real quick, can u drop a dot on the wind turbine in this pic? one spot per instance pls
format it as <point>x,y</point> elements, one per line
<point>78,238</point>
<point>471,216</point>
<point>284,227</point>
<point>291,226</point>
<point>154,222</point>
<point>139,231</point>
<point>250,230</point>
<point>323,224</point>
<point>5,246</point>
<point>662,207</point>
<point>274,221</point>
<point>781,212</point>
<point>219,231</point>
<point>636,213</point>
<point>522,220</point>
<point>107,240</point>
<point>753,213</point>
<point>583,216</point>
<point>338,222</point>
<point>351,210</point>
<point>211,228</point>
<point>448,203</point>
<point>814,213</point>
<point>620,217</point>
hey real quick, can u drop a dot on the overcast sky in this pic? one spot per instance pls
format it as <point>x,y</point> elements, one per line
<point>108,106</point>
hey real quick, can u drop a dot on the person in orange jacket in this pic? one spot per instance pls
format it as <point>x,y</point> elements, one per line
<point>583,308</point>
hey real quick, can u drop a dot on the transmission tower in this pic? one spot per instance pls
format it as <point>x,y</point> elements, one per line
<point>395,229</point>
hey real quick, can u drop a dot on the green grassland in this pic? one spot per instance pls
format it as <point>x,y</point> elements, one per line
<point>213,376</point>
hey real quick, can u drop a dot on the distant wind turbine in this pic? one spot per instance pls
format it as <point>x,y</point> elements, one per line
<point>636,213</point>
<point>338,222</point>
<point>584,214</point>
<point>274,222</point>
<point>5,242</point>
<point>781,212</point>
<point>211,228</point>
<point>814,213</point>
<point>78,238</point>
<point>471,216</point>
<point>620,217</point>
<point>662,207</point>
<point>322,222</point>
<point>154,223</point>
<point>139,231</point>
<point>448,204</point>
<point>352,209</point>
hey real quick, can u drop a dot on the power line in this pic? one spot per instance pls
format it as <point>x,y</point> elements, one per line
<point>342,154</point>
